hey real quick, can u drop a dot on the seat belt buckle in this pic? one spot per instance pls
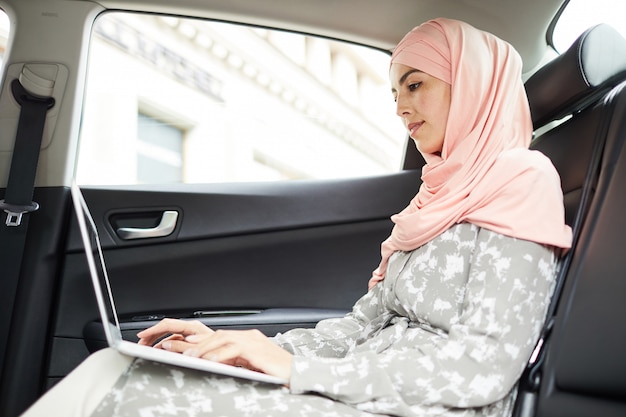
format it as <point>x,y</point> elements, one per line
<point>16,212</point>
<point>13,219</point>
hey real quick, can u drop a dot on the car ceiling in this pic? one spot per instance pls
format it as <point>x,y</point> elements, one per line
<point>375,22</point>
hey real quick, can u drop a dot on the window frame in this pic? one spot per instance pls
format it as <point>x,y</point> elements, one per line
<point>403,152</point>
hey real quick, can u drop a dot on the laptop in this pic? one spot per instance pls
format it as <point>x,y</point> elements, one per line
<point>108,314</point>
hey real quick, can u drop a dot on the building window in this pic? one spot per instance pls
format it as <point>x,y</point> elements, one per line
<point>159,151</point>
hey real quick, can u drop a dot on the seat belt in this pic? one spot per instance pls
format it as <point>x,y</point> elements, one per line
<point>17,202</point>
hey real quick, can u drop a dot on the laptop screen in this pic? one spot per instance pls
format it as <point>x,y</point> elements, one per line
<point>97,268</point>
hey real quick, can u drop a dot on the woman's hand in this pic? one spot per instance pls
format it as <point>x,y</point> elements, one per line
<point>177,329</point>
<point>247,348</point>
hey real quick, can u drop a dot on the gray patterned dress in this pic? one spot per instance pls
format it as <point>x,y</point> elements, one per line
<point>448,332</point>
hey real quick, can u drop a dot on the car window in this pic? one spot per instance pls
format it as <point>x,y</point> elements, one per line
<point>579,15</point>
<point>174,100</point>
<point>4,35</point>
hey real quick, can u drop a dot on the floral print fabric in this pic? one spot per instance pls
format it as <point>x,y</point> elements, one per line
<point>448,332</point>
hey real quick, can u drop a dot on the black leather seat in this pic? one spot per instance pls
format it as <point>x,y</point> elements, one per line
<point>581,370</point>
<point>575,85</point>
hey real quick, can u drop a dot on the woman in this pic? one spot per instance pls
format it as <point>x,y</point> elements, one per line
<point>455,307</point>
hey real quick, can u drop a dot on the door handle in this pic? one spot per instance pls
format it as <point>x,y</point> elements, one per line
<point>165,227</point>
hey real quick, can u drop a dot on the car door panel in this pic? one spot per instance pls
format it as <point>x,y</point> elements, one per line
<point>213,210</point>
<point>271,256</point>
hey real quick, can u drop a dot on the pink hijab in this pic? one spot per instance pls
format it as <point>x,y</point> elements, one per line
<point>485,175</point>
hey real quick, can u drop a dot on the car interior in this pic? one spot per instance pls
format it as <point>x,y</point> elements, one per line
<point>276,255</point>
<point>588,90</point>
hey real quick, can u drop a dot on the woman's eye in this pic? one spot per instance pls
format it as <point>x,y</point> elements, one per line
<point>414,86</point>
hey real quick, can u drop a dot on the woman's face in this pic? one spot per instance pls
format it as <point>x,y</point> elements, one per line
<point>423,103</point>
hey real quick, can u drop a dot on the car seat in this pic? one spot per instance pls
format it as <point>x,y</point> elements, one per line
<point>578,108</point>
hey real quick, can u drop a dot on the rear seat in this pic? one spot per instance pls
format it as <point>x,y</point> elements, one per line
<point>581,370</point>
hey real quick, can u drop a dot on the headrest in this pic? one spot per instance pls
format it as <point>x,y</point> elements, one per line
<point>586,71</point>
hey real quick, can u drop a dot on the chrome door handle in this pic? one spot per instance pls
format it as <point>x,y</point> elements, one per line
<point>166,226</point>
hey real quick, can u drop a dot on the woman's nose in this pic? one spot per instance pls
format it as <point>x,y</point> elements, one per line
<point>401,106</point>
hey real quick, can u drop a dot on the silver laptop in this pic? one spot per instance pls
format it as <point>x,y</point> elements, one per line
<point>106,307</point>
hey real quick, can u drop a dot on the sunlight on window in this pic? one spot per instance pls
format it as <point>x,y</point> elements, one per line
<point>579,15</point>
<point>220,102</point>
<point>4,34</point>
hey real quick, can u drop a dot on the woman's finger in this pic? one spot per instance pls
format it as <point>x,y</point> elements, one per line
<point>175,345</point>
<point>172,337</point>
<point>171,326</point>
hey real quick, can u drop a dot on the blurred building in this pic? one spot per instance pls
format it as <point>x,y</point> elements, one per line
<point>183,100</point>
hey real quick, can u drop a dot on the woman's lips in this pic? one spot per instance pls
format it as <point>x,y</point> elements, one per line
<point>413,127</point>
